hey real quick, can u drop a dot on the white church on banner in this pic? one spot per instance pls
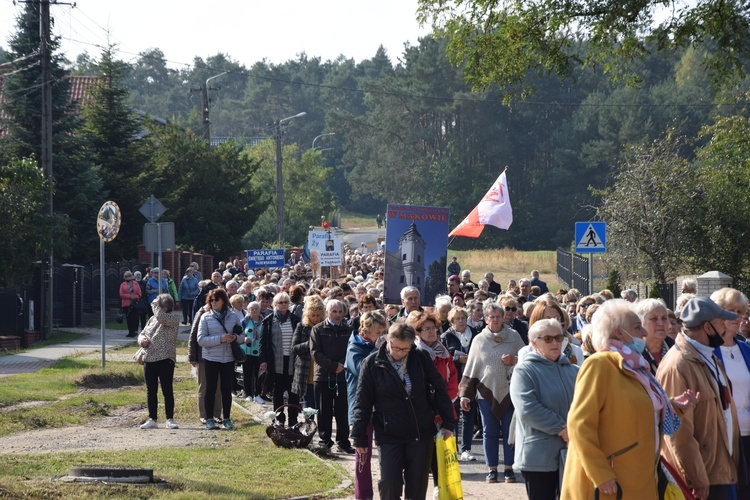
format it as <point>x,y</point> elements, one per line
<point>409,260</point>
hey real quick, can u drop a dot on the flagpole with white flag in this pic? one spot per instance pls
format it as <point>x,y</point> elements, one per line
<point>494,209</point>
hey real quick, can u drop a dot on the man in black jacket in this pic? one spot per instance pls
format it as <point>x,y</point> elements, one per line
<point>328,343</point>
<point>397,381</point>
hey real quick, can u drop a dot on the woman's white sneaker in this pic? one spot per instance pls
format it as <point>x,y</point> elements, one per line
<point>466,456</point>
<point>149,424</point>
<point>171,424</point>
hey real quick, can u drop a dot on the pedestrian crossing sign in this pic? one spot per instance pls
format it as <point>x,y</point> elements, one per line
<point>591,237</point>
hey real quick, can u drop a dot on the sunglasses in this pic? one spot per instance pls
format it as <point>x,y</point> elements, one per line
<point>514,309</point>
<point>549,338</point>
<point>214,300</point>
<point>583,306</point>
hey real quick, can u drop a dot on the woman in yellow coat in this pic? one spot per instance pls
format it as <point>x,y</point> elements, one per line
<point>618,414</point>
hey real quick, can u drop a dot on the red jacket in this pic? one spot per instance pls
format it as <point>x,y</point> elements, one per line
<point>127,299</point>
<point>449,374</point>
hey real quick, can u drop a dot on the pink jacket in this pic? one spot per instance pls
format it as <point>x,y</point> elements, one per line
<point>126,296</point>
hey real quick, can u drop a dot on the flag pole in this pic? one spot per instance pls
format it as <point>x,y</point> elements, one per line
<point>451,241</point>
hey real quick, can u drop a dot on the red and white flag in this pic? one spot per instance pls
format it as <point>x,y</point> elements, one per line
<point>494,209</point>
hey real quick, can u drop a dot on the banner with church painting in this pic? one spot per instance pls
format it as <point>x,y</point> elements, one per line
<point>416,245</point>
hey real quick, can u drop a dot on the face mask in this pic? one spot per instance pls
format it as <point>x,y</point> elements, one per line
<point>636,344</point>
<point>715,340</point>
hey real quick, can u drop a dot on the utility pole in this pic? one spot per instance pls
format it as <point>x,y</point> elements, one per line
<point>280,177</point>
<point>44,35</point>
<point>205,106</point>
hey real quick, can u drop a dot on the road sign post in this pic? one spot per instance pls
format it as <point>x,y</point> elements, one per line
<point>107,226</point>
<point>591,238</point>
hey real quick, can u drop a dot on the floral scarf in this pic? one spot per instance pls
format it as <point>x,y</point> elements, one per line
<point>436,351</point>
<point>636,364</point>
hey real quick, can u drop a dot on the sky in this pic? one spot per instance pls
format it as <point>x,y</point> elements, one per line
<point>246,30</point>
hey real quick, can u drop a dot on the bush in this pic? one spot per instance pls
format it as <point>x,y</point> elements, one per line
<point>613,283</point>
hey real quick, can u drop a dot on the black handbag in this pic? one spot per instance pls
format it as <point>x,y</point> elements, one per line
<point>237,352</point>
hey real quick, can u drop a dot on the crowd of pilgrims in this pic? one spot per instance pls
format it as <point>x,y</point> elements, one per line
<point>567,385</point>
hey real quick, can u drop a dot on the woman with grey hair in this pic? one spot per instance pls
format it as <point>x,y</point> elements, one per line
<point>486,377</point>
<point>654,317</point>
<point>159,340</point>
<point>614,391</point>
<point>276,355</point>
<point>541,390</point>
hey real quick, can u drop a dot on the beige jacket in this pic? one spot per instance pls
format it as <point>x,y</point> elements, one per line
<point>700,448</point>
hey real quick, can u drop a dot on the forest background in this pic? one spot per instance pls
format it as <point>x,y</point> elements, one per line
<point>666,147</point>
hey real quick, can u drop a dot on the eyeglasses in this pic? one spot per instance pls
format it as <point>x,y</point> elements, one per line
<point>549,338</point>
<point>282,302</point>
<point>428,329</point>
<point>514,309</point>
<point>399,349</point>
<point>214,300</point>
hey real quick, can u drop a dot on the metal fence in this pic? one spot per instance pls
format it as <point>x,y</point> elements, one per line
<point>573,270</point>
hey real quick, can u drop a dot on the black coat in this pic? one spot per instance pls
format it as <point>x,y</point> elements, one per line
<point>266,354</point>
<point>398,417</point>
<point>453,344</point>
<point>328,346</point>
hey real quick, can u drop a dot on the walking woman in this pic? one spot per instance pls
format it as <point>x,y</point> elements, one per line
<point>486,379</point>
<point>215,332</point>
<point>392,393</point>
<point>276,355</point>
<point>313,313</point>
<point>541,390</point>
<point>130,294</point>
<point>159,339</point>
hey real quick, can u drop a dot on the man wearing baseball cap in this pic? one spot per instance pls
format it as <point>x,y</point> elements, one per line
<point>705,448</point>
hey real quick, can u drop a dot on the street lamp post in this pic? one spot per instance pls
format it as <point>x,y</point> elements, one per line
<point>279,178</point>
<point>318,137</point>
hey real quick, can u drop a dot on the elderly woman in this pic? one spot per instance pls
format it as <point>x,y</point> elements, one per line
<point>130,294</point>
<point>486,379</point>
<point>619,413</point>
<point>654,317</point>
<point>218,328</point>
<point>476,315</point>
<point>276,355</point>
<point>511,310</point>
<point>392,393</point>
<point>458,341</point>
<point>443,305</point>
<point>428,340</point>
<point>549,309</point>
<point>541,390</point>
<point>252,326</point>
<point>735,354</point>
<point>159,339</point>
<point>362,343</point>
<point>580,318</point>
<point>312,313</point>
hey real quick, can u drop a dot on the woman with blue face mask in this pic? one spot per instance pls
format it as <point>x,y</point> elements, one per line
<point>619,412</point>
<point>654,317</point>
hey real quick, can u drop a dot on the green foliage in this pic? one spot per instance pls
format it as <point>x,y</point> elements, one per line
<point>650,209</point>
<point>653,292</point>
<point>501,42</point>
<point>306,194</point>
<point>209,193</point>
<point>613,283</point>
<point>25,222</point>
<point>76,181</point>
<point>724,176</point>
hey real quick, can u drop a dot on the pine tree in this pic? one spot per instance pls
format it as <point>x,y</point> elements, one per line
<point>76,181</point>
<point>113,137</point>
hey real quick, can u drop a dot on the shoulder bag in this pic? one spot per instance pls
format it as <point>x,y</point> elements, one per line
<point>237,352</point>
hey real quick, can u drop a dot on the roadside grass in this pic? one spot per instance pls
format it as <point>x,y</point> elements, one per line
<point>243,464</point>
<point>57,337</point>
<point>352,220</point>
<point>508,263</point>
<point>239,464</point>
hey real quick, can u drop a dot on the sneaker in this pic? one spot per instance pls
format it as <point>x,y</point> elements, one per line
<point>171,424</point>
<point>149,424</point>
<point>210,424</point>
<point>203,420</point>
<point>510,477</point>
<point>466,456</point>
<point>227,424</point>
<point>260,400</point>
<point>345,448</point>
<point>436,492</point>
<point>250,399</point>
<point>492,476</point>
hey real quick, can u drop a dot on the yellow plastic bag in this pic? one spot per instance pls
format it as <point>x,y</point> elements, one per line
<point>449,474</point>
